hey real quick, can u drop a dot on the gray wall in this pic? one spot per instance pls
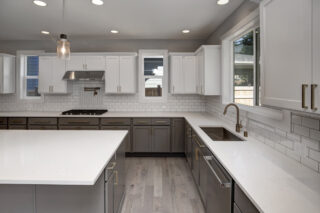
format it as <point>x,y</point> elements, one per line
<point>244,9</point>
<point>115,45</point>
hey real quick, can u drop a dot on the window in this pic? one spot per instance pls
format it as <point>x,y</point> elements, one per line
<point>246,69</point>
<point>31,77</point>
<point>153,75</point>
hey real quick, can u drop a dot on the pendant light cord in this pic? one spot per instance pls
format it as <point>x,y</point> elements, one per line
<point>63,6</point>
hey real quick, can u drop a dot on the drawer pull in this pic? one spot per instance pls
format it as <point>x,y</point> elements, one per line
<point>197,141</point>
<point>313,87</point>
<point>304,86</point>
<point>112,167</point>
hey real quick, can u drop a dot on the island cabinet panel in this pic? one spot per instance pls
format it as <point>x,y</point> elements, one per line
<point>178,128</point>
<point>142,138</point>
<point>160,139</point>
<point>17,198</point>
<point>71,199</point>
<point>243,202</point>
<point>120,177</point>
<point>128,142</point>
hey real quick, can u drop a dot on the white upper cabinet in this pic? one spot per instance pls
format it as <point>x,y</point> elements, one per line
<point>208,62</point>
<point>51,71</point>
<point>183,74</point>
<point>316,56</point>
<point>7,74</point>
<point>120,74</point>
<point>287,49</point>
<point>83,62</point>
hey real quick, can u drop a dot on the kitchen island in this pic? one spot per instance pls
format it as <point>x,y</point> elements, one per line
<point>61,171</point>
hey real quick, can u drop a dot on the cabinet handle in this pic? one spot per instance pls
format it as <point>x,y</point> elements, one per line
<point>304,86</point>
<point>112,167</point>
<point>313,87</point>
<point>197,154</point>
<point>197,141</point>
<point>116,179</point>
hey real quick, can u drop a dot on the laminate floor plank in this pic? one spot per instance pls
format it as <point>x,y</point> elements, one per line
<point>160,185</point>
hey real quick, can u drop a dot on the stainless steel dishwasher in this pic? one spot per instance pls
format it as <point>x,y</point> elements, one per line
<point>219,187</point>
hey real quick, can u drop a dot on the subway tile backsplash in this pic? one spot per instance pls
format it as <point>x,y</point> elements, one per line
<point>302,143</point>
<point>78,98</point>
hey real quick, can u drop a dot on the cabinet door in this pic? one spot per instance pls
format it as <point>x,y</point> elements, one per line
<point>195,162</point>
<point>17,198</point>
<point>286,52</point>
<point>120,176</point>
<point>76,63</point>
<point>177,76</point>
<point>178,135</point>
<point>109,194</point>
<point>161,139</point>
<point>202,177</point>
<point>112,74</point>
<point>45,74</point>
<point>58,70</point>
<point>316,53</point>
<point>189,70</point>
<point>95,63</point>
<point>142,138</point>
<point>127,76</point>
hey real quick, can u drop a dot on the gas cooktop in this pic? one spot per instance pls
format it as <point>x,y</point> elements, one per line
<point>85,112</point>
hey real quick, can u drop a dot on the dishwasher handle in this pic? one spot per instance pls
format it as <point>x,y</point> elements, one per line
<point>222,184</point>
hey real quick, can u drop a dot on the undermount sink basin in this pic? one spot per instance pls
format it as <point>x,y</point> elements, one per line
<point>220,134</point>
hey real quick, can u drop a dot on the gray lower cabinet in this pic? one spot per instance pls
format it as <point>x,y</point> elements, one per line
<point>242,201</point>
<point>128,138</point>
<point>79,127</point>
<point>195,161</point>
<point>203,168</point>
<point>43,127</point>
<point>21,127</point>
<point>160,139</point>
<point>142,137</point>
<point>17,198</point>
<point>109,193</point>
<point>3,127</point>
<point>178,127</point>
<point>120,177</point>
<point>188,144</point>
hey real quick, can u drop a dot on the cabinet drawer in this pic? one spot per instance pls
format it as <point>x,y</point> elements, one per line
<point>115,121</point>
<point>17,127</point>
<point>79,121</point>
<point>43,121</point>
<point>161,121</point>
<point>17,121</point>
<point>3,121</point>
<point>43,127</point>
<point>243,202</point>
<point>142,121</point>
<point>79,127</point>
<point>3,126</point>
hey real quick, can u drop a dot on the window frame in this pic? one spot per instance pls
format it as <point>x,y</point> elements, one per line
<point>147,54</point>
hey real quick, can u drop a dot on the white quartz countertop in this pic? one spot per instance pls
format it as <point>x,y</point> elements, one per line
<point>56,157</point>
<point>272,181</point>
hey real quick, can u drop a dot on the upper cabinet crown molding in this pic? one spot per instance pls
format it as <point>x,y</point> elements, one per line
<point>7,74</point>
<point>290,54</point>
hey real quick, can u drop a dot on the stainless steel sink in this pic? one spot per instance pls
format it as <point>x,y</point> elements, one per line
<point>220,134</point>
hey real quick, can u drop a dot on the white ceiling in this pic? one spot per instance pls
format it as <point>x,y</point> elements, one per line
<point>135,19</point>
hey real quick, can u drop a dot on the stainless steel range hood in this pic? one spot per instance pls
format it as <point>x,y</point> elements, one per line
<point>84,76</point>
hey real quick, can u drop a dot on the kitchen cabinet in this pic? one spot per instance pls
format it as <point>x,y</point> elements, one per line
<point>17,198</point>
<point>17,123</point>
<point>51,71</point>
<point>120,74</point>
<point>109,193</point>
<point>85,62</point>
<point>43,123</point>
<point>160,139</point>
<point>120,177</point>
<point>188,144</point>
<point>208,70</point>
<point>7,74</point>
<point>183,74</point>
<point>195,169</point>
<point>79,123</point>
<point>287,74</point>
<point>177,140</point>
<point>242,202</point>
<point>142,137</point>
<point>127,140</point>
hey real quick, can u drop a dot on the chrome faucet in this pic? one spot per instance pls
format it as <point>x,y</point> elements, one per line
<point>238,125</point>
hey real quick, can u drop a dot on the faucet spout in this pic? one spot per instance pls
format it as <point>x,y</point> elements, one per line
<point>238,125</point>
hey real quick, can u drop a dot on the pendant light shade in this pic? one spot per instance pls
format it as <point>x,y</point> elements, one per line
<point>63,47</point>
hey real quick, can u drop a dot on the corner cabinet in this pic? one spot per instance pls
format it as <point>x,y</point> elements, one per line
<point>51,71</point>
<point>208,62</point>
<point>290,43</point>
<point>7,74</point>
<point>183,73</point>
<point>120,74</point>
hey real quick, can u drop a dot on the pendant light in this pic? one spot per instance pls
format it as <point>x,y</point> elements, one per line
<point>63,45</point>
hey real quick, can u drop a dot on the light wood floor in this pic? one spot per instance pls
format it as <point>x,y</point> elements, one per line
<point>160,185</point>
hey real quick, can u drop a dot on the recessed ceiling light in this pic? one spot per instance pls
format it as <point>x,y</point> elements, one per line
<point>45,32</point>
<point>185,31</point>
<point>97,2</point>
<point>40,3</point>
<point>222,2</point>
<point>114,31</point>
